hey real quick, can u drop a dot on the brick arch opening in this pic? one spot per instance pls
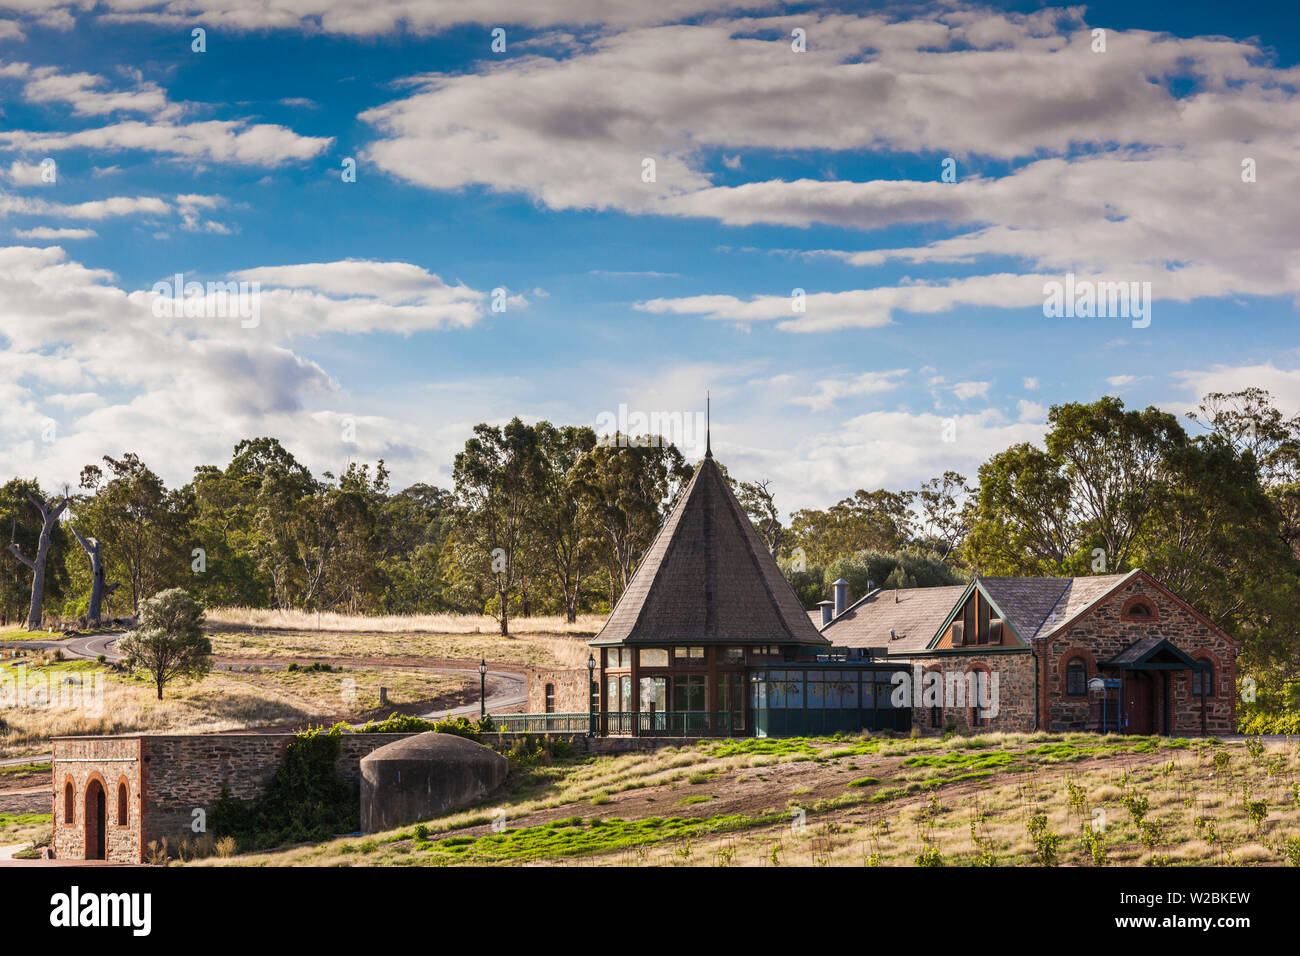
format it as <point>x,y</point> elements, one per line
<point>95,819</point>
<point>1134,608</point>
<point>1063,670</point>
<point>69,802</point>
<point>974,717</point>
<point>123,802</point>
<point>934,714</point>
<point>1211,658</point>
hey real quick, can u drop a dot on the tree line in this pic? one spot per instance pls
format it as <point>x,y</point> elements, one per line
<point>550,519</point>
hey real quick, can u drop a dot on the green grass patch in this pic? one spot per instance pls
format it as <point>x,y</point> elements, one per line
<point>19,769</point>
<point>963,760</point>
<point>23,819</point>
<point>864,782</point>
<point>699,798</point>
<point>574,837</point>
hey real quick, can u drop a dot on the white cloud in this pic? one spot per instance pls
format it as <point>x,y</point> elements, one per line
<point>236,142</point>
<point>829,391</point>
<point>387,16</point>
<point>95,209</point>
<point>74,342</point>
<point>25,174</point>
<point>965,391</point>
<point>56,235</point>
<point>1031,411</point>
<point>1282,383</point>
<point>1031,384</point>
<point>1104,154</point>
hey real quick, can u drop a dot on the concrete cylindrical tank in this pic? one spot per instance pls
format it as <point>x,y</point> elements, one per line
<point>425,775</point>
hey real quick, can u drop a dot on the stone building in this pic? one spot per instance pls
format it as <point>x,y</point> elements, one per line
<point>1117,652</point>
<point>113,796</point>
<point>709,639</point>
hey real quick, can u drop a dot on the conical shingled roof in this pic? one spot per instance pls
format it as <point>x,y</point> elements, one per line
<point>708,579</point>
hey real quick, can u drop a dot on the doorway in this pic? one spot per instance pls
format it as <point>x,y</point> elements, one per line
<point>1139,703</point>
<point>96,821</point>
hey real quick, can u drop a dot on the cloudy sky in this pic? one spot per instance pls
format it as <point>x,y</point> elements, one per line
<point>616,210</point>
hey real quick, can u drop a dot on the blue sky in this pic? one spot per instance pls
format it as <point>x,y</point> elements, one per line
<point>775,170</point>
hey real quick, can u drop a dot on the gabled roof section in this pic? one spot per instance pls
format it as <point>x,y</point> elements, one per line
<point>1081,595</point>
<point>913,614</point>
<point>1030,607</point>
<point>1019,600</point>
<point>708,579</point>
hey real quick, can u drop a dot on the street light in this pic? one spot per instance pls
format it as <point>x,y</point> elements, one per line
<point>482,689</point>
<point>591,698</point>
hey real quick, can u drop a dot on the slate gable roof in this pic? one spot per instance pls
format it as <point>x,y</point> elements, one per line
<point>914,618</point>
<point>1034,607</point>
<point>708,579</point>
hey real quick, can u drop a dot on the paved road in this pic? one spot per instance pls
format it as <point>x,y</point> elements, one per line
<point>88,646</point>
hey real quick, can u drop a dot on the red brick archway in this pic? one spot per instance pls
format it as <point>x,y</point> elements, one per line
<point>96,819</point>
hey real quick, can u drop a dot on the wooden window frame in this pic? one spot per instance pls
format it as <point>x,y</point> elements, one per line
<point>1069,666</point>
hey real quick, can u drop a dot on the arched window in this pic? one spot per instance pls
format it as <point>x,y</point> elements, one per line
<point>977,691</point>
<point>550,698</point>
<point>121,804</point>
<point>69,803</point>
<point>1076,677</point>
<point>1139,609</point>
<point>1203,680</point>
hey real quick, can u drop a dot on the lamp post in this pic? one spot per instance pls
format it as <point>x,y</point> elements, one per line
<point>482,689</point>
<point>591,698</point>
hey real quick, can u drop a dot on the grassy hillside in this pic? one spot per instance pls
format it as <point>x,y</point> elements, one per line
<point>991,800</point>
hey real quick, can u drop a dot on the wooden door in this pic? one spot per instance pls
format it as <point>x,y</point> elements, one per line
<point>1139,699</point>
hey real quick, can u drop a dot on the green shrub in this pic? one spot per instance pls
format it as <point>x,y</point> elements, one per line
<point>304,802</point>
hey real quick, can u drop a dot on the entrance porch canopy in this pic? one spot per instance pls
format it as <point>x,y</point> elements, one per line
<point>1153,654</point>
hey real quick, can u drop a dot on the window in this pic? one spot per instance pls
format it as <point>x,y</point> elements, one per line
<point>732,655</point>
<point>1203,681</point>
<point>1139,608</point>
<point>550,698</point>
<point>1076,677</point>
<point>688,655</point>
<point>69,802</point>
<point>688,693</point>
<point>654,657</point>
<point>121,804</point>
<point>619,657</point>
<point>654,694</point>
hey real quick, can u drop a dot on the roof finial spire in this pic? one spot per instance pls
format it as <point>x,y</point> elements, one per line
<point>708,425</point>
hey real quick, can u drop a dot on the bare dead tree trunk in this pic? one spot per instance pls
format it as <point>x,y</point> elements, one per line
<point>49,517</point>
<point>97,585</point>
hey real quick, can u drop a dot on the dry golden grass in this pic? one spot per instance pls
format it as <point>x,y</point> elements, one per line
<point>248,617</point>
<point>532,650</point>
<point>221,701</point>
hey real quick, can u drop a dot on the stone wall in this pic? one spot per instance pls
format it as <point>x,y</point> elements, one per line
<point>110,762</point>
<point>1104,631</point>
<point>1014,690</point>
<point>170,776</point>
<point>1100,634</point>
<point>571,690</point>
